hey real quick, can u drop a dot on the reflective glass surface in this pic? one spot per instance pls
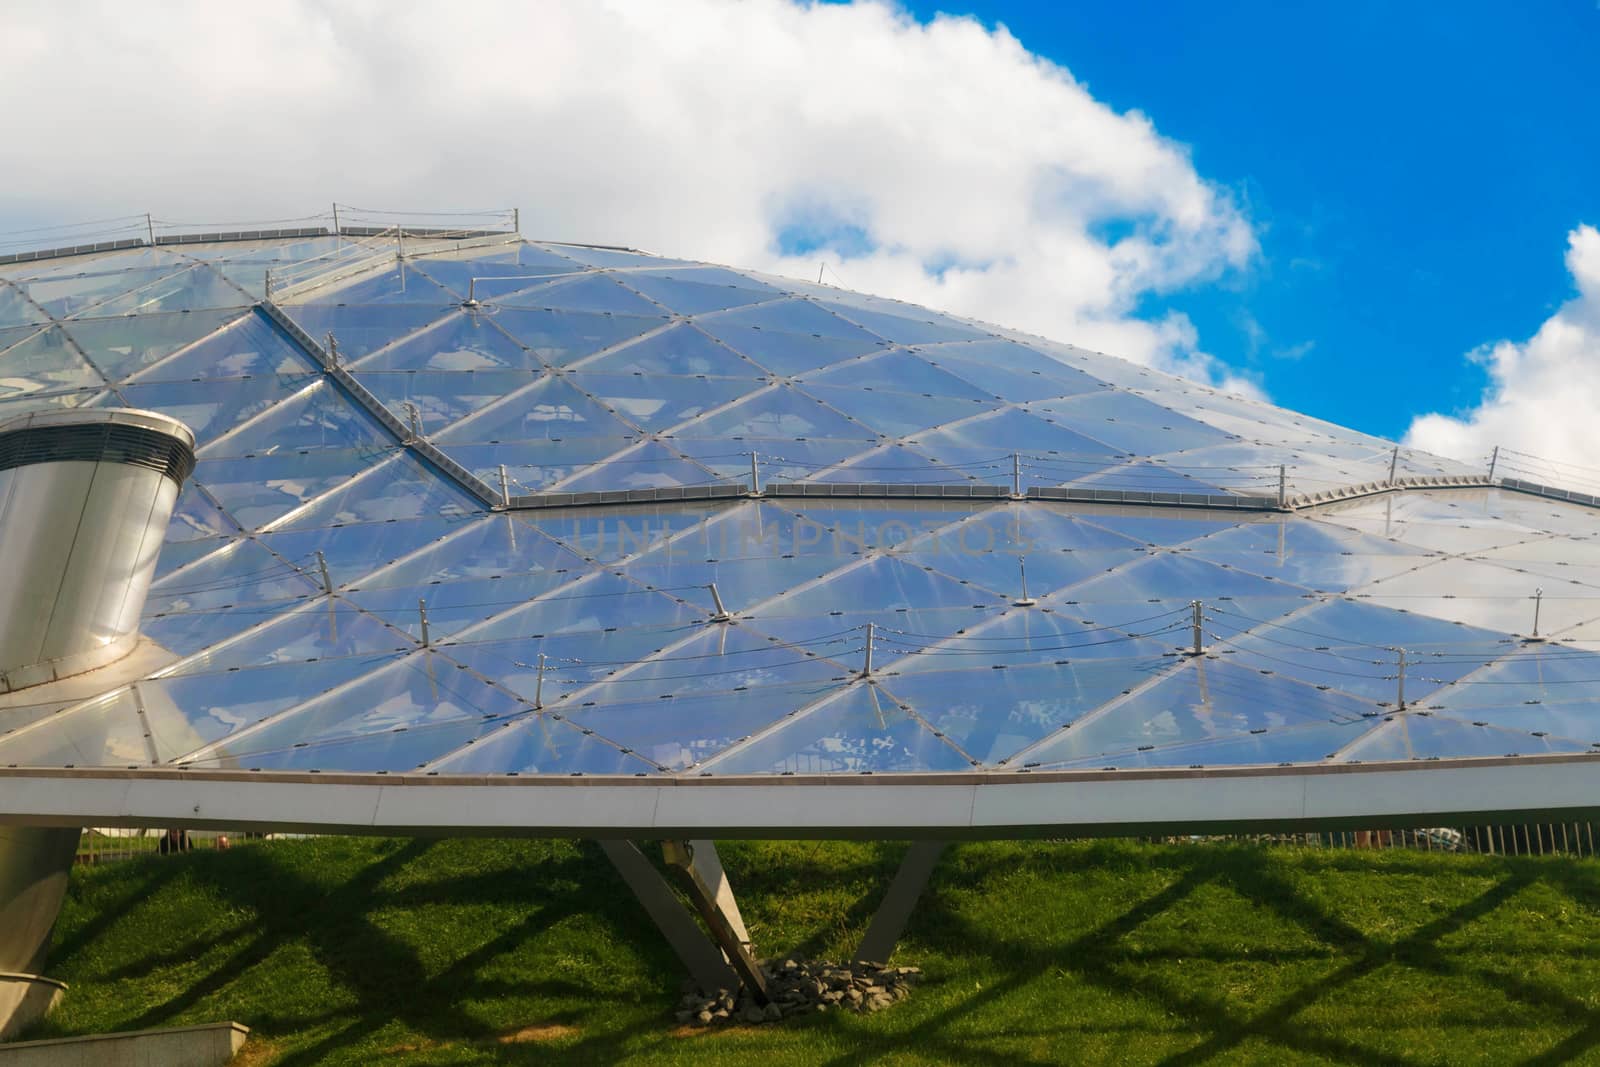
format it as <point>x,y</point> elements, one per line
<point>337,597</point>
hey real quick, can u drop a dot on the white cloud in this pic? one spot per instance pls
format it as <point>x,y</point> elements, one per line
<point>985,180</point>
<point>1543,393</point>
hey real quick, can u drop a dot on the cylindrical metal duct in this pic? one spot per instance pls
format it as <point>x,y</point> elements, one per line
<point>85,496</point>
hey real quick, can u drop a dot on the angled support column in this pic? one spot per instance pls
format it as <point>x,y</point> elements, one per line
<point>889,922</point>
<point>699,955</point>
<point>708,888</point>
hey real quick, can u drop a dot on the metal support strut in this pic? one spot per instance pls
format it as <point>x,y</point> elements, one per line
<point>889,921</point>
<point>1199,648</point>
<point>707,886</point>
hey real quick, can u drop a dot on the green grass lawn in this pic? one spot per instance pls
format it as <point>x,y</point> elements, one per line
<point>340,950</point>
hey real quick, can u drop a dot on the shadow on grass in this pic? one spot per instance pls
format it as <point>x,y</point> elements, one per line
<point>390,983</point>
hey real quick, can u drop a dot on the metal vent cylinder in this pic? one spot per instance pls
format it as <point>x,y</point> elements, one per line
<point>85,496</point>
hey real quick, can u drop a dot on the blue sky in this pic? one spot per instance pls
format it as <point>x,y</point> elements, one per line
<point>1412,171</point>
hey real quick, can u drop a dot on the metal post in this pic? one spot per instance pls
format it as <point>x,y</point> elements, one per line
<point>538,686</point>
<point>680,854</point>
<point>1016,476</point>
<point>150,228</point>
<point>1494,458</point>
<point>889,921</point>
<point>755,476</point>
<point>1400,658</point>
<point>472,293</point>
<point>819,271</point>
<point>1023,601</point>
<point>1394,461</point>
<point>266,284</point>
<point>505,486</point>
<point>1538,598</point>
<point>866,666</point>
<point>422,610</point>
<point>399,242</point>
<point>322,565</point>
<point>336,230</point>
<point>332,344</point>
<point>516,220</point>
<point>414,418</point>
<point>1283,486</point>
<point>721,614</point>
<point>1199,643</point>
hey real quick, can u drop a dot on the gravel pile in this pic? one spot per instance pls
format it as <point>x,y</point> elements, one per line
<point>798,987</point>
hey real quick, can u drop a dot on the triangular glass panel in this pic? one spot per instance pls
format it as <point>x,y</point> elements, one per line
<point>249,347</point>
<point>574,661</point>
<point>360,329</point>
<point>897,372</point>
<point>456,606</point>
<point>893,465</point>
<point>896,414</point>
<point>15,310</point>
<point>401,488</point>
<point>105,733</point>
<point>1010,370</point>
<point>187,712</point>
<point>551,410</point>
<point>596,256</point>
<point>246,574</point>
<point>861,731</point>
<point>905,330</point>
<point>1024,638</point>
<point>394,719</point>
<point>64,295</point>
<point>886,583</point>
<point>443,397</point>
<point>1167,583</point>
<point>658,402</point>
<point>560,338</point>
<point>519,268</point>
<point>778,352</point>
<point>197,287</point>
<point>721,659</point>
<point>1532,682</point>
<point>401,284</point>
<point>1309,744</point>
<point>354,551</point>
<point>1200,700</point>
<point>992,714</point>
<point>589,292</point>
<point>119,347</point>
<point>1129,477</point>
<point>542,744</point>
<point>1313,554</point>
<point>195,517</point>
<point>608,538</point>
<point>1128,423</point>
<point>1424,736</point>
<point>259,489</point>
<point>680,350</point>
<point>1009,432</point>
<point>323,629</point>
<point>679,732</point>
<point>691,291</point>
<point>212,408</point>
<point>777,461</point>
<point>535,466</point>
<point>45,360</point>
<point>317,417</point>
<point>457,342</point>
<point>484,547</point>
<point>650,466</point>
<point>1352,646</point>
<point>600,603</point>
<point>779,413</point>
<point>803,317</point>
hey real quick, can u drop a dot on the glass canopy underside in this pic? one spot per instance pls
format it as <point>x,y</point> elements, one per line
<point>587,640</point>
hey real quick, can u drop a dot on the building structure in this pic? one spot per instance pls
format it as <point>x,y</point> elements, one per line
<point>491,535</point>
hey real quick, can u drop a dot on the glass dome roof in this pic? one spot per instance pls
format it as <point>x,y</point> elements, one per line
<point>760,527</point>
